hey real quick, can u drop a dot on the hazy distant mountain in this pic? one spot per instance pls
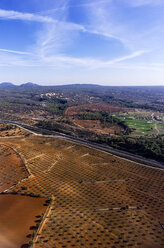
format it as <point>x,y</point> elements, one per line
<point>29,85</point>
<point>6,84</point>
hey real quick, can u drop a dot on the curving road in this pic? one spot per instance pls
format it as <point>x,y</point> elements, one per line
<point>126,155</point>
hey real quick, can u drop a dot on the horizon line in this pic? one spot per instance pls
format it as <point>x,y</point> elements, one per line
<point>71,84</point>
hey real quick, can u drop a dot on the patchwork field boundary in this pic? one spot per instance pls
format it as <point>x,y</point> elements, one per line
<point>23,160</point>
<point>10,137</point>
<point>100,150</point>
<point>25,179</point>
<point>118,153</point>
<point>41,225</point>
<point>91,196</point>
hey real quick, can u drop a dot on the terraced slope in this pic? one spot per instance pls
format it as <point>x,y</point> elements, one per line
<point>98,200</point>
<point>12,169</point>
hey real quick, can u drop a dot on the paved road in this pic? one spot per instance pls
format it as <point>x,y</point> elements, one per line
<point>116,152</point>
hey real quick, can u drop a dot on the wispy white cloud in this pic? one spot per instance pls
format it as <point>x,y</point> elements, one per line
<point>128,57</point>
<point>63,60</point>
<point>102,20</point>
<point>136,30</point>
<point>15,52</point>
<point>15,15</point>
<point>52,22</point>
<point>70,6</point>
<point>138,3</point>
<point>143,67</point>
<point>16,58</point>
<point>57,33</point>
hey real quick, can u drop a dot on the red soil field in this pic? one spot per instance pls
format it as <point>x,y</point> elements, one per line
<point>98,200</point>
<point>94,107</point>
<point>96,126</point>
<point>17,215</point>
<point>12,168</point>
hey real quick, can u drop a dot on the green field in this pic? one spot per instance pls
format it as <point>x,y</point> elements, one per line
<point>160,127</point>
<point>141,127</point>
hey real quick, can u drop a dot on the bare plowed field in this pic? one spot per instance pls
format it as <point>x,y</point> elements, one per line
<point>12,168</point>
<point>99,200</point>
<point>93,107</point>
<point>97,126</point>
<point>18,217</point>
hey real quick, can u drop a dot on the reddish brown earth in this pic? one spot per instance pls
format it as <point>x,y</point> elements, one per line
<point>96,126</point>
<point>18,214</point>
<point>94,107</point>
<point>12,168</point>
<point>101,201</point>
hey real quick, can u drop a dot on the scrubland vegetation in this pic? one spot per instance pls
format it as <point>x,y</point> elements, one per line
<point>128,118</point>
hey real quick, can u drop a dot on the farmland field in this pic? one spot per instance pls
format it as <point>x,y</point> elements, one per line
<point>12,168</point>
<point>142,123</point>
<point>93,107</point>
<point>141,127</point>
<point>18,216</point>
<point>96,126</point>
<point>126,118</point>
<point>98,200</point>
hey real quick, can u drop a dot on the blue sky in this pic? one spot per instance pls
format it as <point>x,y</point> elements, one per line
<point>108,42</point>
